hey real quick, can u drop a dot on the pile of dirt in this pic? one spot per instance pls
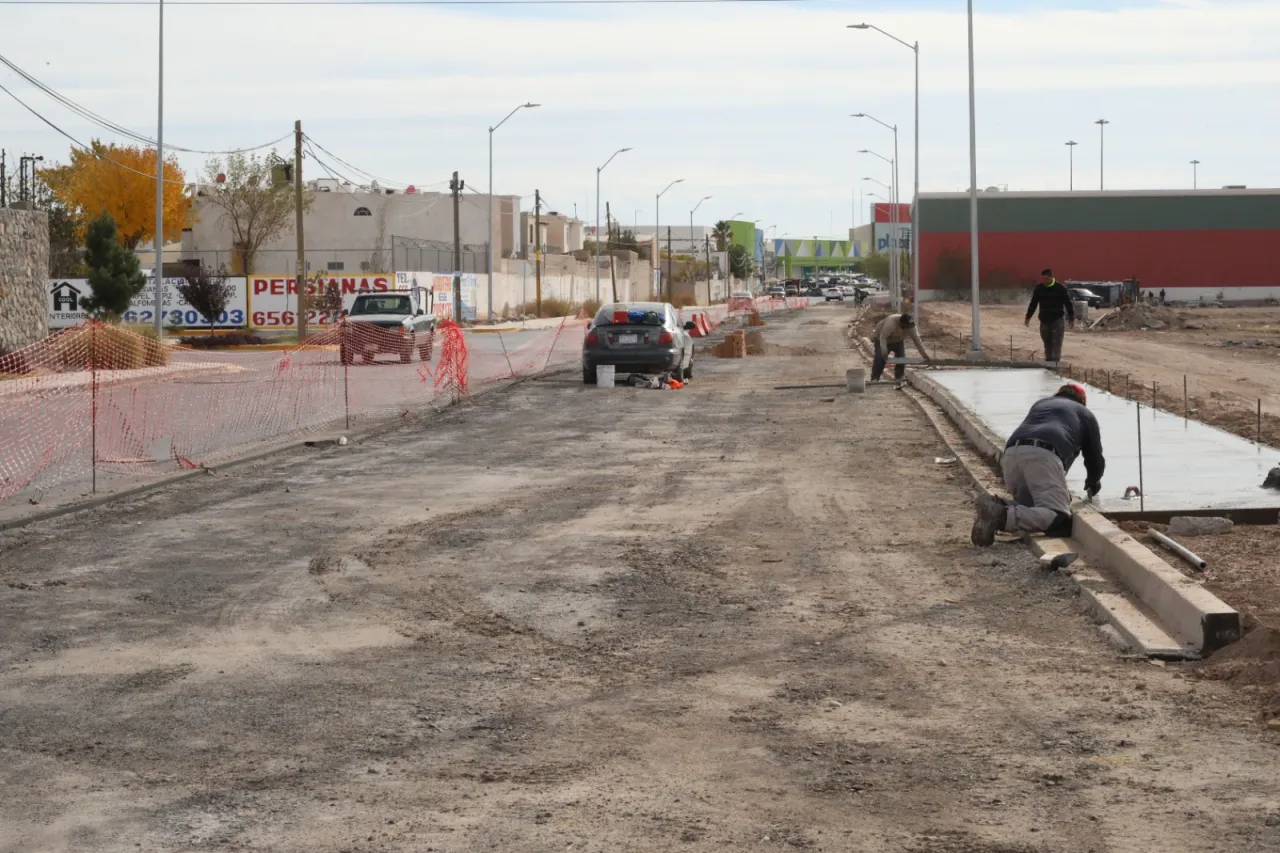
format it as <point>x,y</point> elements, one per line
<point>1252,662</point>
<point>1143,316</point>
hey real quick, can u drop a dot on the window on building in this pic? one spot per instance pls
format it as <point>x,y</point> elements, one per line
<point>335,266</point>
<point>362,211</point>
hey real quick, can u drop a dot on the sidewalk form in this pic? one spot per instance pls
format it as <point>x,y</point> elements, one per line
<point>1151,608</point>
<point>46,382</point>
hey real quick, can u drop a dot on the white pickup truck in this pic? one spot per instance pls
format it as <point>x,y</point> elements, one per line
<point>388,323</point>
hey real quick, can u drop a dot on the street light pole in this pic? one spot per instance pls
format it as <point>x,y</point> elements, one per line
<point>491,130</point>
<point>894,264</point>
<point>1102,128</point>
<point>915,165</point>
<point>657,229</point>
<point>1071,166</point>
<point>159,238</point>
<point>975,346</point>
<point>694,254</point>
<point>600,169</point>
<point>1195,180</point>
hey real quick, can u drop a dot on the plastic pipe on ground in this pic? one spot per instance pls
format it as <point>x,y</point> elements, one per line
<point>1196,562</point>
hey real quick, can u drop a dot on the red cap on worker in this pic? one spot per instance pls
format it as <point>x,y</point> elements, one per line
<point>1074,391</point>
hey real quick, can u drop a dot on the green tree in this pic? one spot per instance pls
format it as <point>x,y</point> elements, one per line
<point>722,235</point>
<point>741,264</point>
<point>876,265</point>
<point>114,275</point>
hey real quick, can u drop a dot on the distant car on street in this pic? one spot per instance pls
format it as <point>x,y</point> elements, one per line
<point>776,292</point>
<point>833,294</point>
<point>791,290</point>
<point>740,300</point>
<point>644,337</point>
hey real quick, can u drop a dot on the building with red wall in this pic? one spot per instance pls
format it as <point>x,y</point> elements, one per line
<point>1190,243</point>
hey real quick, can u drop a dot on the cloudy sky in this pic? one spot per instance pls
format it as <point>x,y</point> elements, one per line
<point>748,102</point>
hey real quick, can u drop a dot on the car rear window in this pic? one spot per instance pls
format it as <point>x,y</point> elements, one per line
<point>620,315</point>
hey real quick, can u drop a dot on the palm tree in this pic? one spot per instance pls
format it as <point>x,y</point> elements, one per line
<point>723,236</point>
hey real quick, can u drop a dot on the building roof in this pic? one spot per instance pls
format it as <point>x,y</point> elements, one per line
<point>1256,191</point>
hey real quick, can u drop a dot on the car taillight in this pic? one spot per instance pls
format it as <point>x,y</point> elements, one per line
<point>665,337</point>
<point>403,330</point>
<point>592,339</point>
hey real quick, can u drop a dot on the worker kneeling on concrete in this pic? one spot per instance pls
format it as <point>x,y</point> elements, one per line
<point>891,338</point>
<point>1035,464</point>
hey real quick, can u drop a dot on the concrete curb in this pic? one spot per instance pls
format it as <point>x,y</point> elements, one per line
<point>1188,617</point>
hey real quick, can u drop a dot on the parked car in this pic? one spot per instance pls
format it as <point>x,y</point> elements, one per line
<point>644,337</point>
<point>740,300</point>
<point>1084,294</point>
<point>776,292</point>
<point>791,290</point>
<point>833,294</point>
<point>848,290</point>
<point>386,323</point>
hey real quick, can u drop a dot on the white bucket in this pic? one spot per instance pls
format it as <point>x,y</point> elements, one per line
<point>604,376</point>
<point>856,380</point>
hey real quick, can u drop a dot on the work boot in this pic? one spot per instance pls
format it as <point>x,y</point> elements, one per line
<point>988,517</point>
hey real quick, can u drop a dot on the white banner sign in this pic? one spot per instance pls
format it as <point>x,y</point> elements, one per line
<point>65,310</point>
<point>884,232</point>
<point>273,300</point>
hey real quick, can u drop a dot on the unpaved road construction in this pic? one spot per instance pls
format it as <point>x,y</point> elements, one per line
<point>564,618</point>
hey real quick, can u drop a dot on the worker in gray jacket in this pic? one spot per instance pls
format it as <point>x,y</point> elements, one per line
<point>890,337</point>
<point>1036,459</point>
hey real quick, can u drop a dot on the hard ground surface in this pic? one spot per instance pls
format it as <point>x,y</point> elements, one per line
<point>561,618</point>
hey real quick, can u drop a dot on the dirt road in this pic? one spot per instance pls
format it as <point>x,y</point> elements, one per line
<point>559,618</point>
<point>1225,380</point>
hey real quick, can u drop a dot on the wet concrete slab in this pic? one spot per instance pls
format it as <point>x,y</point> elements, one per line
<point>1186,465</point>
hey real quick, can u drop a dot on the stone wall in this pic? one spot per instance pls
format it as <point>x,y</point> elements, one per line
<point>24,269</point>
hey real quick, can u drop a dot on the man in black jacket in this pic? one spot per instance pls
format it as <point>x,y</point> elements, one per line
<point>1035,463</point>
<point>1056,311</point>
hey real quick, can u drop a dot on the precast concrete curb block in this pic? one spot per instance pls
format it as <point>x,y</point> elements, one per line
<point>1187,619</point>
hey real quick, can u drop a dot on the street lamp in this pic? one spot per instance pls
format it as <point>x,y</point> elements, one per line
<point>975,346</point>
<point>159,239</point>
<point>915,168</point>
<point>657,227</point>
<point>491,130</point>
<point>894,284</point>
<point>600,169</point>
<point>1071,165</point>
<point>1102,128</point>
<point>1195,178</point>
<point>693,250</point>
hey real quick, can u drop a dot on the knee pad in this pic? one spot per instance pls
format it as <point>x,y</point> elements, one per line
<point>1061,527</point>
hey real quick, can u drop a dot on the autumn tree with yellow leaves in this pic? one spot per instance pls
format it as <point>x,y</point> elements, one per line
<point>120,180</point>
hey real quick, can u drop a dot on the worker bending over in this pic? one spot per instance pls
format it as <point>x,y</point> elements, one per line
<point>891,338</point>
<point>1035,464</point>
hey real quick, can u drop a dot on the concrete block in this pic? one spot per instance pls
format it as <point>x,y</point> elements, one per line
<point>1189,525</point>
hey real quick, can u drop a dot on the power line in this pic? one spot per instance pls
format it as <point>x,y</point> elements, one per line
<point>107,124</point>
<point>354,168</point>
<point>171,3</point>
<point>81,145</point>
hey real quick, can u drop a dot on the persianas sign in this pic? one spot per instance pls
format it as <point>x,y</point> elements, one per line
<point>273,300</point>
<point>65,294</point>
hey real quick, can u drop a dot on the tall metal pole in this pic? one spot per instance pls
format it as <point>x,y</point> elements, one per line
<point>1195,180</point>
<point>975,345</point>
<point>657,230</point>
<point>300,277</point>
<point>159,239</point>
<point>1071,166</point>
<point>915,205</point>
<point>491,130</point>
<point>600,169</point>
<point>897,213</point>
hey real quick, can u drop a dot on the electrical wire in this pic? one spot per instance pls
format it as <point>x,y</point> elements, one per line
<point>107,124</point>
<point>384,3</point>
<point>81,145</point>
<point>352,167</point>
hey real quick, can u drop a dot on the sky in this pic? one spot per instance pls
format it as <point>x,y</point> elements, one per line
<point>749,103</point>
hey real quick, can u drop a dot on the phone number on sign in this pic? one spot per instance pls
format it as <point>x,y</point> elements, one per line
<point>185,318</point>
<point>289,319</point>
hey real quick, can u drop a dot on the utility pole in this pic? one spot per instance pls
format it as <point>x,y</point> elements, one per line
<point>4,181</point>
<point>613,261</point>
<point>456,186</point>
<point>299,277</point>
<point>668,263</point>
<point>537,251</point>
<point>707,238</point>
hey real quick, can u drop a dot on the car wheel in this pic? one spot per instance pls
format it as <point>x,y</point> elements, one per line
<point>588,376</point>
<point>344,354</point>
<point>406,354</point>
<point>688,372</point>
<point>425,349</point>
